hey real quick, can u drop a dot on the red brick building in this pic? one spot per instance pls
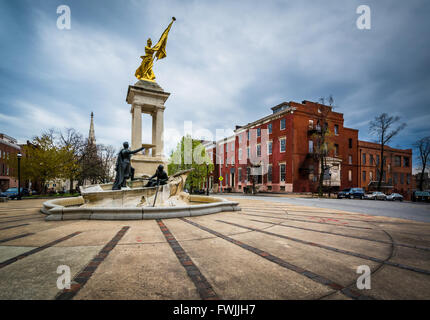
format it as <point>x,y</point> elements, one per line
<point>282,145</point>
<point>8,148</point>
<point>397,175</point>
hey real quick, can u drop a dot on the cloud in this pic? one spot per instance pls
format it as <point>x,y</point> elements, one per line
<point>227,63</point>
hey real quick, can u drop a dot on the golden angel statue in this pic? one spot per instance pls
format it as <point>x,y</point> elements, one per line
<point>144,72</point>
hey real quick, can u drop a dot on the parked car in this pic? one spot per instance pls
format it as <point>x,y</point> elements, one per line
<point>421,196</point>
<point>395,196</point>
<point>12,193</point>
<point>377,195</point>
<point>351,193</point>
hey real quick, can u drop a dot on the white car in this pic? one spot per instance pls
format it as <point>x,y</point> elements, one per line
<point>395,196</point>
<point>376,196</point>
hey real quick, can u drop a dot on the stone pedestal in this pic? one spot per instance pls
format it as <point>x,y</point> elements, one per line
<point>149,98</point>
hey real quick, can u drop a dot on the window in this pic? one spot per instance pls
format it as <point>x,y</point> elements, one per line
<point>408,178</point>
<point>258,132</point>
<point>406,162</point>
<point>377,160</point>
<point>232,161</point>
<point>239,174</point>
<point>336,129</point>
<point>397,161</point>
<point>259,179</point>
<point>311,124</point>
<point>269,147</point>
<point>311,146</point>
<point>283,124</point>
<point>349,159</point>
<point>349,175</point>
<point>350,143</point>
<point>247,133</point>
<point>269,127</point>
<point>269,173</point>
<point>283,145</point>
<point>258,150</point>
<point>282,171</point>
<point>395,178</point>
<point>402,178</point>
<point>364,176</point>
<point>232,146</point>
<point>370,175</point>
<point>371,160</point>
<point>363,160</point>
<point>248,173</point>
<point>240,138</point>
<point>336,149</point>
<point>248,152</point>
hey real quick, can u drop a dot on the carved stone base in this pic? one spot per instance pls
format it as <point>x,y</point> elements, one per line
<point>146,166</point>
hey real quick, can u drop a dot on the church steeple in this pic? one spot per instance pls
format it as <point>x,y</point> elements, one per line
<point>91,135</point>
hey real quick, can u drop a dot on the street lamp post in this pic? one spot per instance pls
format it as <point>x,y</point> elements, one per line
<point>207,179</point>
<point>19,156</point>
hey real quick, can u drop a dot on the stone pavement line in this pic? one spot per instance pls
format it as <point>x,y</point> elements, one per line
<point>203,286</point>
<point>309,274</point>
<point>10,227</point>
<point>350,253</point>
<point>344,235</point>
<point>38,249</point>
<point>40,218</point>
<point>334,214</point>
<point>21,215</point>
<point>16,237</point>
<point>81,278</point>
<point>325,223</point>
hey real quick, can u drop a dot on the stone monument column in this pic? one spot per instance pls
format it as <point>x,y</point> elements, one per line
<point>147,97</point>
<point>159,141</point>
<point>136,127</point>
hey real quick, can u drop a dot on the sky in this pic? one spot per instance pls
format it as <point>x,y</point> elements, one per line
<point>228,62</point>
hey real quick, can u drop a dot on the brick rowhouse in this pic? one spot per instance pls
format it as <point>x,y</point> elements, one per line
<point>282,144</point>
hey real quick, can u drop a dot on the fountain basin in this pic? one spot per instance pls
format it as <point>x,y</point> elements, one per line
<point>73,209</point>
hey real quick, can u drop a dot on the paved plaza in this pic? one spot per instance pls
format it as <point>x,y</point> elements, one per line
<point>269,250</point>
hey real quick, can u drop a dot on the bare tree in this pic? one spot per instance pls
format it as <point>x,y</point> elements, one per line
<point>423,147</point>
<point>322,142</point>
<point>382,128</point>
<point>73,142</point>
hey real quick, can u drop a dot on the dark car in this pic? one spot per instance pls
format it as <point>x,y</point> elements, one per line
<point>351,193</point>
<point>12,193</point>
<point>421,196</point>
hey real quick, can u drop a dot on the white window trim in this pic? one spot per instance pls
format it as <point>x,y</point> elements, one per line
<point>267,144</point>
<point>280,144</point>
<point>280,124</point>
<point>280,164</point>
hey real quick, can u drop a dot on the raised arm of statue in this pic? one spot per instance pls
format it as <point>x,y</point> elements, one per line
<point>137,150</point>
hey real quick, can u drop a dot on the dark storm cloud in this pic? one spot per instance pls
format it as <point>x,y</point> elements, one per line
<point>227,62</point>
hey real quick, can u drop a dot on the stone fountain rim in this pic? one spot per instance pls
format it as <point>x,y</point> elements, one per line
<point>57,209</point>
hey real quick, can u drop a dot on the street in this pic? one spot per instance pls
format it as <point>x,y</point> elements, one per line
<point>405,210</point>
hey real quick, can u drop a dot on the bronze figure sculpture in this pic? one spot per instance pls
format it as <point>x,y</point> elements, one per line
<point>123,168</point>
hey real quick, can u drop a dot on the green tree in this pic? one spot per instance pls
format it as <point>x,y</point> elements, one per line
<point>42,160</point>
<point>190,153</point>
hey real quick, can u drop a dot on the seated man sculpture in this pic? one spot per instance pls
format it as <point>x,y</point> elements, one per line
<point>159,178</point>
<point>123,168</point>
